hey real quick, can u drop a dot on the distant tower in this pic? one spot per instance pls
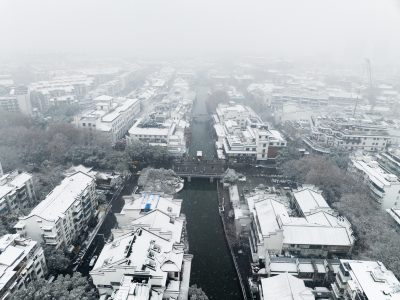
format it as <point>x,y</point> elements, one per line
<point>1,170</point>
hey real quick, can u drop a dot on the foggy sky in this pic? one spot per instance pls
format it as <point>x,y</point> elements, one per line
<point>331,28</point>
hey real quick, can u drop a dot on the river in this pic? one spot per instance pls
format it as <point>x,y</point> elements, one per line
<point>212,266</point>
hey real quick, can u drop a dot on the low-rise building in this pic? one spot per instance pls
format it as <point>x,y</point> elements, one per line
<point>384,186</point>
<point>169,134</point>
<point>138,205</point>
<point>348,134</point>
<point>242,135</point>
<point>16,191</point>
<point>64,214</point>
<point>275,231</point>
<point>166,226</point>
<point>369,280</point>
<point>21,261</point>
<point>284,287</point>
<point>314,271</point>
<point>308,200</point>
<point>113,116</point>
<point>159,264</point>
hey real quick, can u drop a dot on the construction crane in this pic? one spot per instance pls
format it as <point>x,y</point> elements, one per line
<point>371,96</point>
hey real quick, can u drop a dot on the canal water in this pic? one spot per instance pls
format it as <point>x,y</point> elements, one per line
<point>212,266</point>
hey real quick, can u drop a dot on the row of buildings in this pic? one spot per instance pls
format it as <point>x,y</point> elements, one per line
<point>147,258</point>
<point>348,134</point>
<point>60,220</point>
<point>242,135</point>
<point>296,91</point>
<point>65,88</point>
<point>349,280</point>
<point>60,90</point>
<point>156,114</point>
<point>167,124</point>
<point>300,245</point>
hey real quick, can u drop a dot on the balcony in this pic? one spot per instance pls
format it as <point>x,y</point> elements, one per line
<point>336,292</point>
<point>376,193</point>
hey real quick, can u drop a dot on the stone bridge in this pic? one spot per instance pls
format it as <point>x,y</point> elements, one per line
<point>200,169</point>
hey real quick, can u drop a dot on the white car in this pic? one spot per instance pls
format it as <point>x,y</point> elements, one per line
<point>93,261</point>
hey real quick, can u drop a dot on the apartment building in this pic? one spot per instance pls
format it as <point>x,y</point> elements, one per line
<point>64,214</point>
<point>367,280</point>
<point>348,134</point>
<point>21,261</point>
<point>143,256</point>
<point>18,100</point>
<point>60,90</point>
<point>242,135</point>
<point>16,191</point>
<point>113,116</point>
<point>274,229</point>
<point>384,186</point>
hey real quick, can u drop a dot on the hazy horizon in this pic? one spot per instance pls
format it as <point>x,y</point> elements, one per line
<point>335,30</point>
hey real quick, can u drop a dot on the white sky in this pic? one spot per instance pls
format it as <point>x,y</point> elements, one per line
<point>334,28</point>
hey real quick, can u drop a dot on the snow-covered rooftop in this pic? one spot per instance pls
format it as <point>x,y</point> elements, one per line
<point>285,287</point>
<point>310,199</point>
<point>372,277</point>
<point>62,197</point>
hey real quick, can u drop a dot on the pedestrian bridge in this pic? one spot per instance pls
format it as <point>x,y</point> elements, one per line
<point>200,169</point>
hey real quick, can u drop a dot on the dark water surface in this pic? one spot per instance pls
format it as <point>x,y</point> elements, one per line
<point>212,267</point>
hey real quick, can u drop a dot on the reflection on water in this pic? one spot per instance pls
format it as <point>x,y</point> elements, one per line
<point>212,267</point>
